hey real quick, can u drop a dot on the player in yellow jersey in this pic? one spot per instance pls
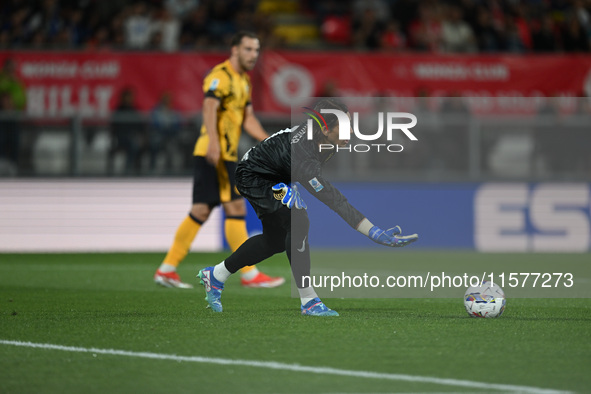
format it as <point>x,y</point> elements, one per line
<point>226,109</point>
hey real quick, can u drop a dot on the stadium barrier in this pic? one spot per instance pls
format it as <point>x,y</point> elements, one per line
<point>84,215</point>
<point>487,217</point>
<point>142,215</point>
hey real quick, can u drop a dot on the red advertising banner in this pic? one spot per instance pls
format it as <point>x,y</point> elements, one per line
<point>60,84</point>
<point>291,75</point>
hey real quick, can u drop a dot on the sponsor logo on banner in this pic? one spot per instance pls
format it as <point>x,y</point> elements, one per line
<point>460,72</point>
<point>69,87</point>
<point>292,83</point>
<point>532,218</point>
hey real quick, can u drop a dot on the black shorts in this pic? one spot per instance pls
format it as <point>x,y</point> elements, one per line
<point>258,192</point>
<point>214,185</point>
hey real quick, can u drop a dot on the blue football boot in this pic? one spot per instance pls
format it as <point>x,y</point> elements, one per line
<point>213,289</point>
<point>315,307</point>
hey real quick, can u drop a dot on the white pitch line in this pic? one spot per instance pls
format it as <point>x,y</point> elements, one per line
<point>291,367</point>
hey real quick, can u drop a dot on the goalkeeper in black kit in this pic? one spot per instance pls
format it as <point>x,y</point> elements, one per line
<point>266,177</point>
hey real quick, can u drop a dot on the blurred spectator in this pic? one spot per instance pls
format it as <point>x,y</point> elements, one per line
<point>520,20</point>
<point>100,40</point>
<point>457,35</point>
<point>327,8</point>
<point>367,30</point>
<point>12,100</point>
<point>513,38</point>
<point>404,11</point>
<point>488,33</point>
<point>9,136</point>
<point>244,20</point>
<point>545,37</point>
<point>497,11</point>
<point>165,125</point>
<point>127,134</point>
<point>194,31</point>
<point>393,39</point>
<point>169,27</point>
<point>264,26</point>
<point>180,9</point>
<point>379,8</point>
<point>117,31</point>
<point>11,85</point>
<point>39,41</point>
<point>575,38</point>
<point>155,42</point>
<point>74,26</point>
<point>336,29</point>
<point>4,39</point>
<point>495,25</point>
<point>17,27</point>
<point>425,31</point>
<point>46,21</point>
<point>221,25</point>
<point>138,27</point>
<point>582,14</point>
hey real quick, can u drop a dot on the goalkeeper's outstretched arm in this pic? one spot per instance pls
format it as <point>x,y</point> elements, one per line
<point>334,199</point>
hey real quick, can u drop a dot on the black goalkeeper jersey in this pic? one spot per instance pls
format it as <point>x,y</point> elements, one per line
<point>288,156</point>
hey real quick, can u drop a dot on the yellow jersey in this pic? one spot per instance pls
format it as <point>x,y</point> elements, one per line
<point>234,92</point>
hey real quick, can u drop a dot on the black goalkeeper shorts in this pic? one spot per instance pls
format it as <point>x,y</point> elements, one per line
<point>258,192</point>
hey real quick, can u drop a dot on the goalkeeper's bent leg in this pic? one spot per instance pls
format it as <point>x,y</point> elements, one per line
<point>236,235</point>
<point>298,252</point>
<point>260,247</point>
<point>297,246</point>
<point>254,250</point>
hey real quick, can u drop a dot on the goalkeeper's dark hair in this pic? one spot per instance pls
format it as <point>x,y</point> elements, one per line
<point>331,119</point>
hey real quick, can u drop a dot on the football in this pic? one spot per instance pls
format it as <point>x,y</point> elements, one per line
<point>487,300</point>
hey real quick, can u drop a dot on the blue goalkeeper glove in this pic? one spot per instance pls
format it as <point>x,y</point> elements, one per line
<point>289,196</point>
<point>391,237</point>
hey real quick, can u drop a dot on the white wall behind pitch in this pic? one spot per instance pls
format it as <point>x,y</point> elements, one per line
<point>98,215</point>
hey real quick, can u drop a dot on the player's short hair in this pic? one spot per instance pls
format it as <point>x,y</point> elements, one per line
<point>331,120</point>
<point>237,38</point>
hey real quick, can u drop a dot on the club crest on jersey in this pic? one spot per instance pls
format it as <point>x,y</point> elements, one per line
<point>315,184</point>
<point>214,84</point>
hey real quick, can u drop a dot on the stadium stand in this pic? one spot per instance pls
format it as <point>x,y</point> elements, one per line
<point>446,26</point>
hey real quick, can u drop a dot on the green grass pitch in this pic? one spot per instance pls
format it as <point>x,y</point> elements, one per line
<point>109,301</point>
